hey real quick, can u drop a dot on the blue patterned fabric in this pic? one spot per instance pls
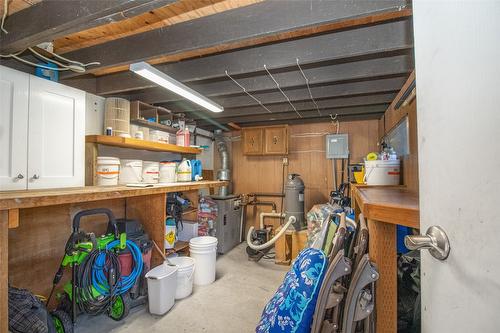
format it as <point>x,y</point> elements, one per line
<point>292,307</point>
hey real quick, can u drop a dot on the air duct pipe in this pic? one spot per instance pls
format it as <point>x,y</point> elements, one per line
<point>223,173</point>
<point>261,247</point>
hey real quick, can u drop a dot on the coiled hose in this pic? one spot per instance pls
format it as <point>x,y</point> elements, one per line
<point>95,293</point>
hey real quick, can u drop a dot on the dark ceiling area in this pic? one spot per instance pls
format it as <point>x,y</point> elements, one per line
<point>268,62</point>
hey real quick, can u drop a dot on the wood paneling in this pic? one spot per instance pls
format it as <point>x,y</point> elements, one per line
<point>181,11</point>
<point>391,118</point>
<point>306,157</point>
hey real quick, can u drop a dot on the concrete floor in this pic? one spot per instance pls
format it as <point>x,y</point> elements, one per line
<point>233,303</point>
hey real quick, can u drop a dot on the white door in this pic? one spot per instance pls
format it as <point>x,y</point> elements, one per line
<point>457,54</point>
<point>56,146</point>
<point>14,89</point>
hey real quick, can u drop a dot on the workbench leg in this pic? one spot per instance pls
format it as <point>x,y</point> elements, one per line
<point>4,271</point>
<point>150,210</point>
<point>382,249</point>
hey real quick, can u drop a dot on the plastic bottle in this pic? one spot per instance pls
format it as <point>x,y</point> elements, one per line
<point>170,233</point>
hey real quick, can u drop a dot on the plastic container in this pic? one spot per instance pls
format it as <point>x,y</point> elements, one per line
<point>182,137</point>
<point>117,115</point>
<point>381,172</point>
<point>195,170</point>
<point>108,169</point>
<point>162,285</point>
<point>170,233</point>
<point>158,136</point>
<point>185,275</point>
<point>168,172</point>
<point>150,172</point>
<point>130,172</point>
<point>184,171</point>
<point>204,251</point>
<point>189,230</point>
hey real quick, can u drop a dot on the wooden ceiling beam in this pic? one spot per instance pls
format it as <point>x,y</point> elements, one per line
<point>262,23</point>
<point>48,20</point>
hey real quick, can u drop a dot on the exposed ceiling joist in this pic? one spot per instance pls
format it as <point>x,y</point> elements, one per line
<point>327,75</point>
<point>265,22</point>
<point>305,114</point>
<point>48,20</point>
<point>341,118</point>
<point>329,103</point>
<point>384,40</point>
<point>337,90</point>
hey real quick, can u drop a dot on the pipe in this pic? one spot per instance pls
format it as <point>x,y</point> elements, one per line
<point>273,214</point>
<point>263,194</point>
<point>261,247</point>
<point>264,203</point>
<point>223,173</point>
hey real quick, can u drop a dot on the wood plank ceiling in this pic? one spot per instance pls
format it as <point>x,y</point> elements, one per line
<point>354,57</point>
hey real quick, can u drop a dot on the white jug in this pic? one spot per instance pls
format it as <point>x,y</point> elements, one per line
<point>184,171</point>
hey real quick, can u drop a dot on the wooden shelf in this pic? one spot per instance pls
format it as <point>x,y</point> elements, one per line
<point>38,198</point>
<point>189,211</point>
<point>140,144</point>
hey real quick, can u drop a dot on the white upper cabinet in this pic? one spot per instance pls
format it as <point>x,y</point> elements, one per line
<point>56,145</point>
<point>14,90</point>
<point>48,143</point>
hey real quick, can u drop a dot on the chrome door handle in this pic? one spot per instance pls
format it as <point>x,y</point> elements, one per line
<point>435,240</point>
<point>35,176</point>
<point>19,176</point>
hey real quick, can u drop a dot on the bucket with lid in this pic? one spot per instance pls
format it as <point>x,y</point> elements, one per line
<point>168,172</point>
<point>162,284</point>
<point>204,251</point>
<point>382,172</point>
<point>130,172</point>
<point>185,276</point>
<point>150,172</point>
<point>107,171</point>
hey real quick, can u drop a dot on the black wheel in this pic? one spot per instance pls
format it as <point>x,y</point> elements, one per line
<point>62,321</point>
<point>120,308</point>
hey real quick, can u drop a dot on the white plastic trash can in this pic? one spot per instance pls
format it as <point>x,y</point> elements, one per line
<point>204,251</point>
<point>162,284</point>
<point>381,172</point>
<point>185,276</point>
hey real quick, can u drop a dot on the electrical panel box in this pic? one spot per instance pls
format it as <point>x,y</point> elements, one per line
<point>337,146</point>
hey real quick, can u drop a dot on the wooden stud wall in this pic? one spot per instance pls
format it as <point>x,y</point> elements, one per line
<point>306,157</point>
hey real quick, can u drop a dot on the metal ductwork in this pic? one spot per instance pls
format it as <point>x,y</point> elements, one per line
<point>223,173</point>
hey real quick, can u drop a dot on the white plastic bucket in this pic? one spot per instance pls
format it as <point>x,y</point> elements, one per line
<point>168,172</point>
<point>381,172</point>
<point>185,275</point>
<point>162,284</point>
<point>204,251</point>
<point>107,170</point>
<point>130,172</point>
<point>150,172</point>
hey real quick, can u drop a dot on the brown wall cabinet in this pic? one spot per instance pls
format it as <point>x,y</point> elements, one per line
<point>272,140</point>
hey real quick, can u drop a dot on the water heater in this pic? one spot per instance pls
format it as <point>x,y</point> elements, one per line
<point>294,200</point>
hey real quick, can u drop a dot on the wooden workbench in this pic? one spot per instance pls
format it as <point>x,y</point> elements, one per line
<point>384,208</point>
<point>40,222</point>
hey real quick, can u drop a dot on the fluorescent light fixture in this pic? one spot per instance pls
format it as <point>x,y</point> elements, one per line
<point>149,72</point>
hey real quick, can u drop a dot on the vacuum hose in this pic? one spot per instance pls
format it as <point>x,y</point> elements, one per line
<point>261,247</point>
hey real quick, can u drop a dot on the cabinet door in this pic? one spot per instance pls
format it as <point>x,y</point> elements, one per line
<point>252,141</point>
<point>276,140</point>
<point>56,145</point>
<point>14,88</point>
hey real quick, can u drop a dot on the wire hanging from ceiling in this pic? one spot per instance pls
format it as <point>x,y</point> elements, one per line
<point>282,92</point>
<point>246,92</point>
<point>308,88</point>
<point>4,15</point>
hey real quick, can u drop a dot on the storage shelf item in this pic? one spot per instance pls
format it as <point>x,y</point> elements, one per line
<point>140,112</point>
<point>140,144</point>
<point>117,115</point>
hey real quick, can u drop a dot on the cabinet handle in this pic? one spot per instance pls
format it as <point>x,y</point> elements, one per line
<point>19,176</point>
<point>35,176</point>
<point>275,140</point>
